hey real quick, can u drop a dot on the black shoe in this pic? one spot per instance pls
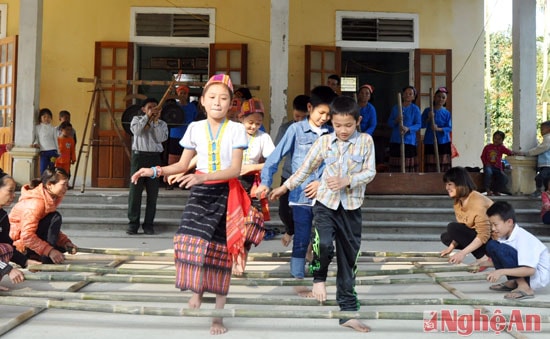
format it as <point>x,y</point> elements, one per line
<point>149,231</point>
<point>131,231</point>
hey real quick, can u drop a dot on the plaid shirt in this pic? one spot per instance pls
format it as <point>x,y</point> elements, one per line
<point>353,158</point>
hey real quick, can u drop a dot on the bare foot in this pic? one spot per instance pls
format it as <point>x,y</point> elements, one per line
<point>287,238</point>
<point>217,326</point>
<point>236,270</point>
<point>303,291</point>
<point>195,301</point>
<point>239,265</point>
<point>319,291</point>
<point>356,325</point>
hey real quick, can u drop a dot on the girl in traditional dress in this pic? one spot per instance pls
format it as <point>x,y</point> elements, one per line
<point>441,118</point>
<point>405,124</point>
<point>211,234</point>
<point>260,147</point>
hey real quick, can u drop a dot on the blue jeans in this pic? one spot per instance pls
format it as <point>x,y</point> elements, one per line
<point>46,160</point>
<point>303,219</point>
<point>503,256</point>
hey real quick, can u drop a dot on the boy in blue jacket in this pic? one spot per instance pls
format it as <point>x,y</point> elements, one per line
<point>296,142</point>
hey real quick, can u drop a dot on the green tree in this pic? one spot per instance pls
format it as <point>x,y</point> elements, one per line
<point>498,99</point>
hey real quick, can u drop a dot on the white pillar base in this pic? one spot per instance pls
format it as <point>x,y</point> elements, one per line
<point>25,160</point>
<point>523,174</point>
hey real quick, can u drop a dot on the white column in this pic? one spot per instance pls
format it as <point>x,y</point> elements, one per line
<point>524,76</point>
<point>278,64</point>
<point>28,85</point>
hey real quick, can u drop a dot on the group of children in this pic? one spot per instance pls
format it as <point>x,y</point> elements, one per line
<point>56,144</point>
<point>330,167</point>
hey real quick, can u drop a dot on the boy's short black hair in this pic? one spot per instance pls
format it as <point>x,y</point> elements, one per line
<point>499,133</point>
<point>148,100</point>
<point>335,77</point>
<point>300,102</point>
<point>503,209</point>
<point>64,114</point>
<point>545,124</point>
<point>65,124</point>
<point>322,95</point>
<point>344,105</point>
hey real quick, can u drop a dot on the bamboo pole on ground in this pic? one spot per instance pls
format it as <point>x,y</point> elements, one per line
<point>244,282</point>
<point>463,296</point>
<point>265,275</point>
<point>279,301</point>
<point>219,313</point>
<point>134,253</point>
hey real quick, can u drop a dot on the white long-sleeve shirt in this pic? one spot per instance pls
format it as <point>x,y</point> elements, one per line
<point>45,135</point>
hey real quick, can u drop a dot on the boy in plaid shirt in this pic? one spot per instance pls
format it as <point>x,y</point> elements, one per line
<point>349,166</point>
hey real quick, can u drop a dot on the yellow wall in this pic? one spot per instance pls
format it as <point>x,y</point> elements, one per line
<point>443,24</point>
<point>71,27</point>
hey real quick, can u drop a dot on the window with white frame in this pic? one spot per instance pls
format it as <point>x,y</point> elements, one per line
<point>3,20</point>
<point>378,30</point>
<point>172,26</point>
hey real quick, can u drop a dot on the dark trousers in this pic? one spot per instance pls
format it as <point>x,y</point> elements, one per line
<point>285,211</point>
<point>343,227</point>
<point>463,236</point>
<point>139,160</point>
<point>541,177</point>
<point>494,179</point>
<point>503,256</point>
<point>48,230</point>
<point>46,160</point>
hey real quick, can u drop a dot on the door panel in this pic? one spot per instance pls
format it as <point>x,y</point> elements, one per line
<point>8,71</point>
<point>111,166</point>
<point>320,62</point>
<point>231,59</point>
<point>432,69</point>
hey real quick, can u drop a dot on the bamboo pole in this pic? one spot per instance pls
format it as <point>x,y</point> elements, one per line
<point>245,282</point>
<point>279,301</point>
<point>156,83</point>
<point>218,313</point>
<point>402,149</point>
<point>436,145</point>
<point>463,296</point>
<point>287,254</point>
<point>246,275</point>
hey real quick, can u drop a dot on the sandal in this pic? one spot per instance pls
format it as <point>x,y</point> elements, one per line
<point>518,295</point>
<point>502,287</point>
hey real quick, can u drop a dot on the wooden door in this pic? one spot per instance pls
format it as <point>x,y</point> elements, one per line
<point>8,72</point>
<point>111,166</point>
<point>432,69</point>
<point>320,62</point>
<point>231,59</point>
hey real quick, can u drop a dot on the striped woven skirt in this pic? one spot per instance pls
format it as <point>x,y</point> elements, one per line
<point>200,250</point>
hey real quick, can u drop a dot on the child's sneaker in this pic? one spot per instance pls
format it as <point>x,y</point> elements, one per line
<point>535,194</point>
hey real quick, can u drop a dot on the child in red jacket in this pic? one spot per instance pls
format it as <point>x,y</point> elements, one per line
<point>491,157</point>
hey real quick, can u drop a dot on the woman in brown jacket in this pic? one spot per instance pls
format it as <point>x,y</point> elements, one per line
<point>472,230</point>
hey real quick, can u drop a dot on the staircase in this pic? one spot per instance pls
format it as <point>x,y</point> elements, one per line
<point>385,217</point>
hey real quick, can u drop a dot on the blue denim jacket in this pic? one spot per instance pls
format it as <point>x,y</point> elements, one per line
<point>296,142</point>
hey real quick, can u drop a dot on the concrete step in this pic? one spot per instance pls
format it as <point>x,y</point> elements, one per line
<point>384,216</point>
